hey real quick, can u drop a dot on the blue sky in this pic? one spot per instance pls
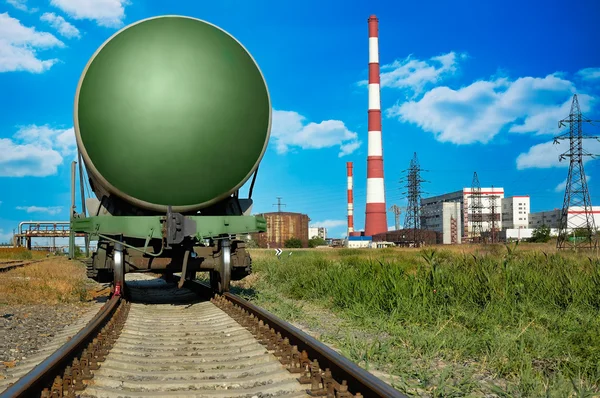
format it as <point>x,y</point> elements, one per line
<point>470,86</point>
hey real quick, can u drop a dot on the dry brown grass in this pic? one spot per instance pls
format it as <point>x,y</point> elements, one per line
<point>20,253</point>
<point>53,281</point>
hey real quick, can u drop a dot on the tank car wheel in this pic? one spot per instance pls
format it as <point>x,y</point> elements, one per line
<point>219,280</point>
<point>225,266</point>
<point>118,270</point>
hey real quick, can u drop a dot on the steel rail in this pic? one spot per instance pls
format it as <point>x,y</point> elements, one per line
<point>358,379</point>
<point>42,376</point>
<point>8,266</point>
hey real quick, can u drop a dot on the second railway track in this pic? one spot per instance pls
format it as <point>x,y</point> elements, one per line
<point>7,265</point>
<point>175,342</point>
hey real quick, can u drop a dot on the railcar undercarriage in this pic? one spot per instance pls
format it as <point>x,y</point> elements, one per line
<point>225,259</point>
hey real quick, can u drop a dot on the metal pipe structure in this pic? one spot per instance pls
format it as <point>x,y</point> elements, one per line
<point>20,229</point>
<point>376,215</point>
<point>73,208</point>
<point>350,199</point>
<point>82,187</point>
<point>40,222</point>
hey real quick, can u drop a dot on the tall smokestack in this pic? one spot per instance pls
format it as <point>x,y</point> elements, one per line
<point>350,200</point>
<point>376,216</point>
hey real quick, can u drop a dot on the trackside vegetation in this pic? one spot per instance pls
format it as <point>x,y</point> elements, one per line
<point>508,323</point>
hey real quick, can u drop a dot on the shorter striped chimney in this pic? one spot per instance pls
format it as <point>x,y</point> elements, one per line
<point>350,199</point>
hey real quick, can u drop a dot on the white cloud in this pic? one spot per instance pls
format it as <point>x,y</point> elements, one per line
<point>415,74</point>
<point>561,187</point>
<point>547,154</point>
<point>289,129</point>
<point>589,73</point>
<point>35,151</point>
<point>108,13</point>
<point>52,210</point>
<point>21,5</point>
<point>19,44</point>
<point>330,223</point>
<point>478,112</point>
<point>60,24</point>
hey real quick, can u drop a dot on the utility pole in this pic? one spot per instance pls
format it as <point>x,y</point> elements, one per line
<point>396,210</point>
<point>476,208</point>
<point>412,220</point>
<point>577,197</point>
<point>279,204</point>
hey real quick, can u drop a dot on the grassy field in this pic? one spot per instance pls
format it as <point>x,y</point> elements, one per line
<point>54,281</point>
<point>20,253</point>
<point>465,321</point>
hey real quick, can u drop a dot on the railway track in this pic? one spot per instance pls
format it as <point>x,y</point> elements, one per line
<point>164,341</point>
<point>7,265</point>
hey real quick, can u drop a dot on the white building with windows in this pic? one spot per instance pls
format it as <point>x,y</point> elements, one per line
<point>432,207</point>
<point>515,212</point>
<point>551,218</point>
<point>445,218</point>
<point>319,232</point>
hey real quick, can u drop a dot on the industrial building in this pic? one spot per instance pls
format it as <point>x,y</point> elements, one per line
<point>515,212</point>
<point>317,232</point>
<point>552,218</point>
<point>406,237</point>
<point>436,216</point>
<point>358,242</point>
<point>282,226</point>
<point>444,218</point>
<point>373,242</point>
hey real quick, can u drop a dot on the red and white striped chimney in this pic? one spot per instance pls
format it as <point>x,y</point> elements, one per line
<point>350,199</point>
<point>376,216</point>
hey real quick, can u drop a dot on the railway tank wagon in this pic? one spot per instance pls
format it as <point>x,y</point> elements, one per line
<point>172,116</point>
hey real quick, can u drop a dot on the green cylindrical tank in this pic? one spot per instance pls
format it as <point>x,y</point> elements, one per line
<point>171,110</point>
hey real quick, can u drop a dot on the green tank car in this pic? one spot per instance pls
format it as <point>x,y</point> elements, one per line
<point>172,117</point>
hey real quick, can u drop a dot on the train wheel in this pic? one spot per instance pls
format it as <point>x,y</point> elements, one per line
<point>225,266</point>
<point>118,270</point>
<point>219,279</point>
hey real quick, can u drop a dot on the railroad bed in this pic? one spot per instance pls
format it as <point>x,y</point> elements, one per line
<point>7,265</point>
<point>170,342</point>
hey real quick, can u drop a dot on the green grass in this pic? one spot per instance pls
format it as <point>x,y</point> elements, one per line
<point>510,323</point>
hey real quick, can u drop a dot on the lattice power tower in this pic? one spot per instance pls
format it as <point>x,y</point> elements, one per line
<point>577,228</point>
<point>476,210</point>
<point>412,219</point>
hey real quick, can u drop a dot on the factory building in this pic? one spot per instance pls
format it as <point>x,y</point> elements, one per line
<point>515,212</point>
<point>552,218</point>
<point>406,237</point>
<point>444,218</point>
<point>512,234</point>
<point>318,232</point>
<point>432,212</point>
<point>282,226</point>
<point>488,197</point>
<point>358,242</point>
